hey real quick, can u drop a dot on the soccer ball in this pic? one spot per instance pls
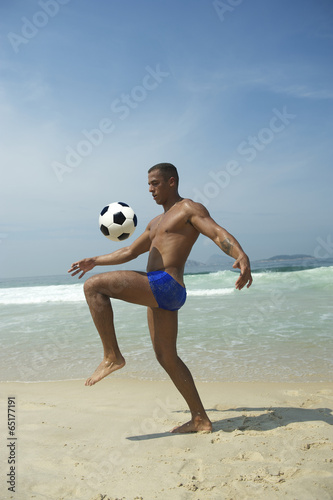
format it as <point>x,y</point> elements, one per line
<point>117,221</point>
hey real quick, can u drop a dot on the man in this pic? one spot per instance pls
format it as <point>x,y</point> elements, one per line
<point>169,239</point>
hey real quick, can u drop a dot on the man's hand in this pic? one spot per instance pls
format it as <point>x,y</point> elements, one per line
<point>82,266</point>
<point>245,276</point>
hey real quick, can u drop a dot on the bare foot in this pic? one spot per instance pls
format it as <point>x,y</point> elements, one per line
<point>197,424</point>
<point>103,370</point>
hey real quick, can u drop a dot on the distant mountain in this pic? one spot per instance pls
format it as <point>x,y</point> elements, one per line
<point>290,257</point>
<point>215,262</point>
<point>221,262</point>
<point>193,266</point>
<point>218,259</point>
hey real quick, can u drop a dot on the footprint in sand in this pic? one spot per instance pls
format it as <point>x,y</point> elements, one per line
<point>319,444</point>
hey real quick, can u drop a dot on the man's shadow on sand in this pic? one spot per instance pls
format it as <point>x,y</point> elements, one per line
<point>269,419</point>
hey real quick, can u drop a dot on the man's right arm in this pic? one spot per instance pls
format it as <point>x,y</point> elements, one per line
<point>121,256</point>
<point>202,221</point>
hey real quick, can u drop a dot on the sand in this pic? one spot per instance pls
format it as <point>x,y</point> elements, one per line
<point>111,441</point>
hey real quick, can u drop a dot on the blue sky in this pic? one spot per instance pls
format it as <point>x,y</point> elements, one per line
<point>237,94</point>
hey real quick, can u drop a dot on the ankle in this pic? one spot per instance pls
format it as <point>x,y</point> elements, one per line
<point>111,357</point>
<point>199,417</point>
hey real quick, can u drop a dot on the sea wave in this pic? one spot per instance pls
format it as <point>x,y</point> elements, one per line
<point>198,285</point>
<point>42,294</point>
<point>209,292</point>
<point>279,329</point>
<point>73,293</point>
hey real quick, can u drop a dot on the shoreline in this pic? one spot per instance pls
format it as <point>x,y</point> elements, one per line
<point>269,440</point>
<point>166,379</point>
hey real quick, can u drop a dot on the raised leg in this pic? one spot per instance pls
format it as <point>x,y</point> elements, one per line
<point>163,326</point>
<point>130,286</point>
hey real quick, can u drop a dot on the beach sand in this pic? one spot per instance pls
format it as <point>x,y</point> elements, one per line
<point>111,441</point>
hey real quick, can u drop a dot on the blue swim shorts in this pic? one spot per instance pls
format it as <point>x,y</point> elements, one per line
<point>169,294</point>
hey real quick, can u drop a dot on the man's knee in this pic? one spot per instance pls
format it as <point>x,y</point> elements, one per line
<point>165,358</point>
<point>159,355</point>
<point>90,285</point>
<point>108,284</point>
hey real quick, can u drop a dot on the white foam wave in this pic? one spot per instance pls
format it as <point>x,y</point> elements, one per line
<point>209,292</point>
<point>73,293</point>
<point>197,285</point>
<point>41,294</point>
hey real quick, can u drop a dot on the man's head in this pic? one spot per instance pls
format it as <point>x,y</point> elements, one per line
<point>167,170</point>
<point>163,182</point>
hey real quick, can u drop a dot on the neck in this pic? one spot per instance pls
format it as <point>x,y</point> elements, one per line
<point>172,201</point>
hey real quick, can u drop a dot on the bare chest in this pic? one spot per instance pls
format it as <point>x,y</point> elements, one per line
<point>169,223</point>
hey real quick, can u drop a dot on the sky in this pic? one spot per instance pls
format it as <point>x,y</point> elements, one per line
<point>237,94</point>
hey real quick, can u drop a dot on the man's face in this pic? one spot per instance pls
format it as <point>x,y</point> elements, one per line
<point>158,187</point>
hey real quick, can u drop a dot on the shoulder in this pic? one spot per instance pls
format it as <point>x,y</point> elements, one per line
<point>194,208</point>
<point>155,219</point>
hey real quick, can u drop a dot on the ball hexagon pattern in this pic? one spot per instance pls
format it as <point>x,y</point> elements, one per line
<point>117,221</point>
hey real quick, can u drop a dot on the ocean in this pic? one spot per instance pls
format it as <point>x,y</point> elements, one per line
<point>279,330</point>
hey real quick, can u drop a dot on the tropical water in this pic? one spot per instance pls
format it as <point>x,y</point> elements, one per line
<point>278,330</point>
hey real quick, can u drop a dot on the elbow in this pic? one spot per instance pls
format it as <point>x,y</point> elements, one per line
<point>129,254</point>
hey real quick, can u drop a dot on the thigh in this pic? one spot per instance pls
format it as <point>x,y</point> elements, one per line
<point>163,328</point>
<point>130,286</point>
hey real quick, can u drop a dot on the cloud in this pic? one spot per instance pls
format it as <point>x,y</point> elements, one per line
<point>296,80</point>
<point>304,92</point>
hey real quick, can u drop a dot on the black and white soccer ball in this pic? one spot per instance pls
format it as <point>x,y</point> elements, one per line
<point>117,221</point>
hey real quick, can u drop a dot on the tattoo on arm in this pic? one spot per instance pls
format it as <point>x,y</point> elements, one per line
<point>227,246</point>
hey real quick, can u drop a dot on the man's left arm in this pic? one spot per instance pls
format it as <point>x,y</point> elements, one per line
<point>202,221</point>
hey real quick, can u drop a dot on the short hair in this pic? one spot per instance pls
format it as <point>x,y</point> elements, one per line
<point>167,170</point>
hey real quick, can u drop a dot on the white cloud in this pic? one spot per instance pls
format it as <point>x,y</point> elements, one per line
<point>297,80</point>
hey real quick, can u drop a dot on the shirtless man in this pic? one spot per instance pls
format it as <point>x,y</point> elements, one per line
<point>168,238</point>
